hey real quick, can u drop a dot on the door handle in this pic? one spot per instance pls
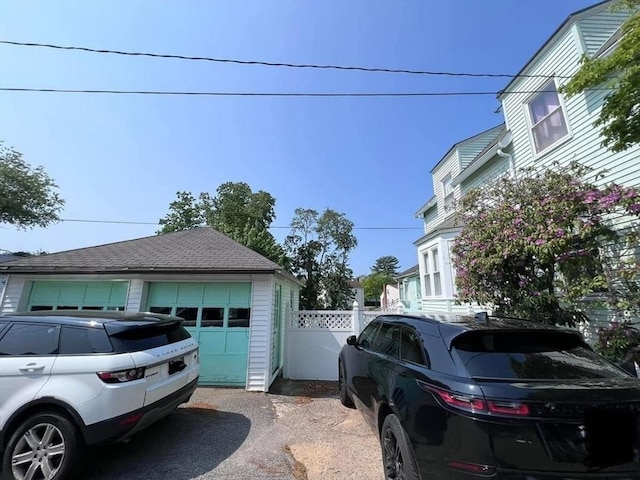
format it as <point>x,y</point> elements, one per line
<point>31,368</point>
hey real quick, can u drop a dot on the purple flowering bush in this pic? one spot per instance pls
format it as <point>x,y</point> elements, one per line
<point>536,246</point>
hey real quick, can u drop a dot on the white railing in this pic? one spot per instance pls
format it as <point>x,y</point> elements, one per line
<point>322,319</point>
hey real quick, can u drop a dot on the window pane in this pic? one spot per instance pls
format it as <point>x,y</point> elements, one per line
<point>368,334</point>
<point>30,340</point>
<point>544,103</point>
<point>190,315</point>
<point>162,310</point>
<point>386,341</point>
<point>67,307</point>
<point>212,317</point>
<point>84,340</point>
<point>116,309</point>
<point>437,288</point>
<point>239,317</point>
<point>411,347</point>
<point>40,308</point>
<point>550,130</point>
<point>419,288</point>
<point>531,355</point>
<point>427,285</point>
<point>435,259</point>
<point>92,308</point>
<point>427,267</point>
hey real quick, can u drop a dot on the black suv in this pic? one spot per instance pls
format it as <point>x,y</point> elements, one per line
<point>483,397</point>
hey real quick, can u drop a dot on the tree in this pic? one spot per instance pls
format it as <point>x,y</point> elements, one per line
<point>236,211</point>
<point>620,71</point>
<point>536,246</point>
<point>27,196</point>
<point>319,248</point>
<point>387,265</point>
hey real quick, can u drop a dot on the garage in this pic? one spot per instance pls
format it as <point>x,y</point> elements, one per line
<point>61,295</point>
<point>218,315</point>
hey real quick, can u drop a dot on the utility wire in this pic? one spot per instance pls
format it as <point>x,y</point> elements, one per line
<point>124,222</point>
<point>276,64</point>
<point>269,94</point>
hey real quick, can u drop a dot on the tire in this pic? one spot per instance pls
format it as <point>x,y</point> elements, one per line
<point>398,460</point>
<point>345,397</point>
<point>46,443</point>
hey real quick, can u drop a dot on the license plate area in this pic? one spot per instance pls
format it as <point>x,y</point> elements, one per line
<point>176,365</point>
<point>611,436</point>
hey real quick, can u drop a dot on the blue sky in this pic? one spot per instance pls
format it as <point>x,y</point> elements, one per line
<point>125,157</point>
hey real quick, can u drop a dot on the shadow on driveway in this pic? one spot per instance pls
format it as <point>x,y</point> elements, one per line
<point>304,388</point>
<point>190,442</point>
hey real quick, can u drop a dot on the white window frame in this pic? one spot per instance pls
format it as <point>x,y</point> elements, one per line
<point>530,125</point>
<point>433,280</point>
<point>427,274</point>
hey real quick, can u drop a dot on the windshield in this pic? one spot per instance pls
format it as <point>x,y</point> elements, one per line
<point>531,355</point>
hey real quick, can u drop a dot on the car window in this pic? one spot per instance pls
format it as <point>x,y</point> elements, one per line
<point>368,334</point>
<point>136,340</point>
<point>387,340</point>
<point>411,349</point>
<point>29,339</point>
<point>75,341</point>
<point>531,355</point>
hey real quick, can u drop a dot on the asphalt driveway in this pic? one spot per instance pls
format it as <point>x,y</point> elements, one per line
<point>300,431</point>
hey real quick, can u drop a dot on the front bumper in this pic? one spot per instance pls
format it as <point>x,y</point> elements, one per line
<point>124,426</point>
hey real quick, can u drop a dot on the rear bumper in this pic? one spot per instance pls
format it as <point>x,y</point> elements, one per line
<point>522,475</point>
<point>124,426</point>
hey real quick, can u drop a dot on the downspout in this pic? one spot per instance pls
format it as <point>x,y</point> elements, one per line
<point>503,154</point>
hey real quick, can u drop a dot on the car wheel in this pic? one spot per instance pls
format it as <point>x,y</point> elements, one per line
<point>345,397</point>
<point>46,445</point>
<point>397,455</point>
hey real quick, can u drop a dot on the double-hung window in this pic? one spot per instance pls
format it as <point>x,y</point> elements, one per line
<point>432,280</point>
<point>547,118</point>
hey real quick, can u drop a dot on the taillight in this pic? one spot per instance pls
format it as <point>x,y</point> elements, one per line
<point>122,375</point>
<point>473,404</point>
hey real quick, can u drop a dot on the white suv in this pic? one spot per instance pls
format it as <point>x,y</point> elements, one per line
<point>75,378</point>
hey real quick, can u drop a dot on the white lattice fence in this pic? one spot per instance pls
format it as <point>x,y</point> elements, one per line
<point>322,319</point>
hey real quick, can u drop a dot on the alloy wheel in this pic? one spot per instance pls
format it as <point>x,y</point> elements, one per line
<point>39,453</point>
<point>393,460</point>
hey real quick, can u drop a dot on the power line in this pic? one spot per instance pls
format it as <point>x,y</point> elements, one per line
<point>276,64</point>
<point>125,222</point>
<point>268,94</point>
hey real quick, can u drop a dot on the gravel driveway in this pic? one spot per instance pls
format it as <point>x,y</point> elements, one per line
<point>298,432</point>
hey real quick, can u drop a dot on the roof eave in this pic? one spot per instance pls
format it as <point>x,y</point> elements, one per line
<point>432,202</point>
<point>503,142</point>
<point>169,271</point>
<point>435,233</point>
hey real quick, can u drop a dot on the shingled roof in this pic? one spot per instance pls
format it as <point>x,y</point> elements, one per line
<point>201,250</point>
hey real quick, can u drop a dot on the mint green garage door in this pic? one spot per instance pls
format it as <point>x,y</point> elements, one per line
<point>218,316</point>
<point>67,295</point>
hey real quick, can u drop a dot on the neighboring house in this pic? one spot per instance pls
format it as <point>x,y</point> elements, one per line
<point>541,127</point>
<point>410,289</point>
<point>358,293</point>
<point>233,300</point>
<point>389,298</point>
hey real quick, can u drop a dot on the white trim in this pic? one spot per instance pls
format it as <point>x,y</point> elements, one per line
<point>503,142</point>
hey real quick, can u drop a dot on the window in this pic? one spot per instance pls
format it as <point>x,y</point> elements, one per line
<point>427,275</point>
<point>161,310</point>
<point>432,281</point>
<point>368,334</point>
<point>386,341</point>
<point>411,347</point>
<point>418,288</point>
<point>189,314</point>
<point>30,340</point>
<point>437,286</point>
<point>447,192</point>
<point>548,123</point>
<point>41,308</point>
<point>451,267</point>
<point>212,317</point>
<point>239,317</point>
<point>74,341</point>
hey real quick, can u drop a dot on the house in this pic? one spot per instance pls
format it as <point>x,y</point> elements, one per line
<point>233,300</point>
<point>541,126</point>
<point>389,298</point>
<point>358,293</point>
<point>410,289</point>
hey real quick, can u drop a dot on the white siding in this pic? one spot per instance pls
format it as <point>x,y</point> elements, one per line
<point>449,166</point>
<point>598,28</point>
<point>488,172</point>
<point>136,296</point>
<point>15,292</point>
<point>581,111</point>
<point>470,149</point>
<point>260,333</point>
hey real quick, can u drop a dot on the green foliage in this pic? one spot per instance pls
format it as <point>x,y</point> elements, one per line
<point>536,246</point>
<point>387,265</point>
<point>374,284</point>
<point>618,342</point>
<point>620,71</point>
<point>27,196</point>
<point>319,248</point>
<point>236,211</point>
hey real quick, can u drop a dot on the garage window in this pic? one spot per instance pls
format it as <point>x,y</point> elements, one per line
<point>212,317</point>
<point>190,315</point>
<point>239,317</point>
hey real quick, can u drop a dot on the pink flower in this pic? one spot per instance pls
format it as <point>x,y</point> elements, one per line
<point>540,241</point>
<point>559,232</point>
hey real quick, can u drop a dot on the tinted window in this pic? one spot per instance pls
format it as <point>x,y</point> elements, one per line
<point>239,317</point>
<point>39,308</point>
<point>531,355</point>
<point>190,315</point>
<point>163,310</point>
<point>30,340</point>
<point>137,339</point>
<point>212,317</point>
<point>411,347</point>
<point>387,340</point>
<point>368,334</point>
<point>74,341</point>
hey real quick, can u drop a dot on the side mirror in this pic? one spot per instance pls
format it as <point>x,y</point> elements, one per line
<point>352,340</point>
